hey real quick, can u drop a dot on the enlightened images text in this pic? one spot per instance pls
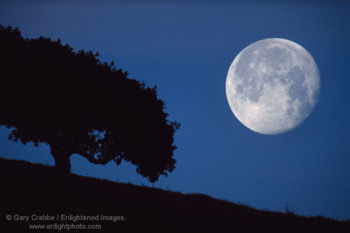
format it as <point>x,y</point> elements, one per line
<point>70,217</point>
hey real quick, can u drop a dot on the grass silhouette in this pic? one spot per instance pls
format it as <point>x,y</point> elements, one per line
<point>34,189</point>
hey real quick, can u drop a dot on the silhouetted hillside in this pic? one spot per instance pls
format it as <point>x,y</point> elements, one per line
<point>41,193</point>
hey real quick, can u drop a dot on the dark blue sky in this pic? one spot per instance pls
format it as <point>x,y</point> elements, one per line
<point>186,50</point>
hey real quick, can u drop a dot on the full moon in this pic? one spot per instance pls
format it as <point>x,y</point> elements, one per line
<point>272,86</point>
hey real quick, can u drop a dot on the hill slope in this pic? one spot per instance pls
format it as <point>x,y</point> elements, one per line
<point>61,201</point>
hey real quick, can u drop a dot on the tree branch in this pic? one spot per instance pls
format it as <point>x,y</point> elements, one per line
<point>92,159</point>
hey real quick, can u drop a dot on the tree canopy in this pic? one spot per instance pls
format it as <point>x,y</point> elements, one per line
<point>78,105</point>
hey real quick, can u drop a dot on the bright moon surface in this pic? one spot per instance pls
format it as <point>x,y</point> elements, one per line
<point>272,86</point>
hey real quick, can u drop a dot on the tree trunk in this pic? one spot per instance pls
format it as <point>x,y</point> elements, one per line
<point>62,159</point>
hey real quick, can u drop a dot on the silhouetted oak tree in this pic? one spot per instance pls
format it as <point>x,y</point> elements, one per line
<point>78,105</point>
